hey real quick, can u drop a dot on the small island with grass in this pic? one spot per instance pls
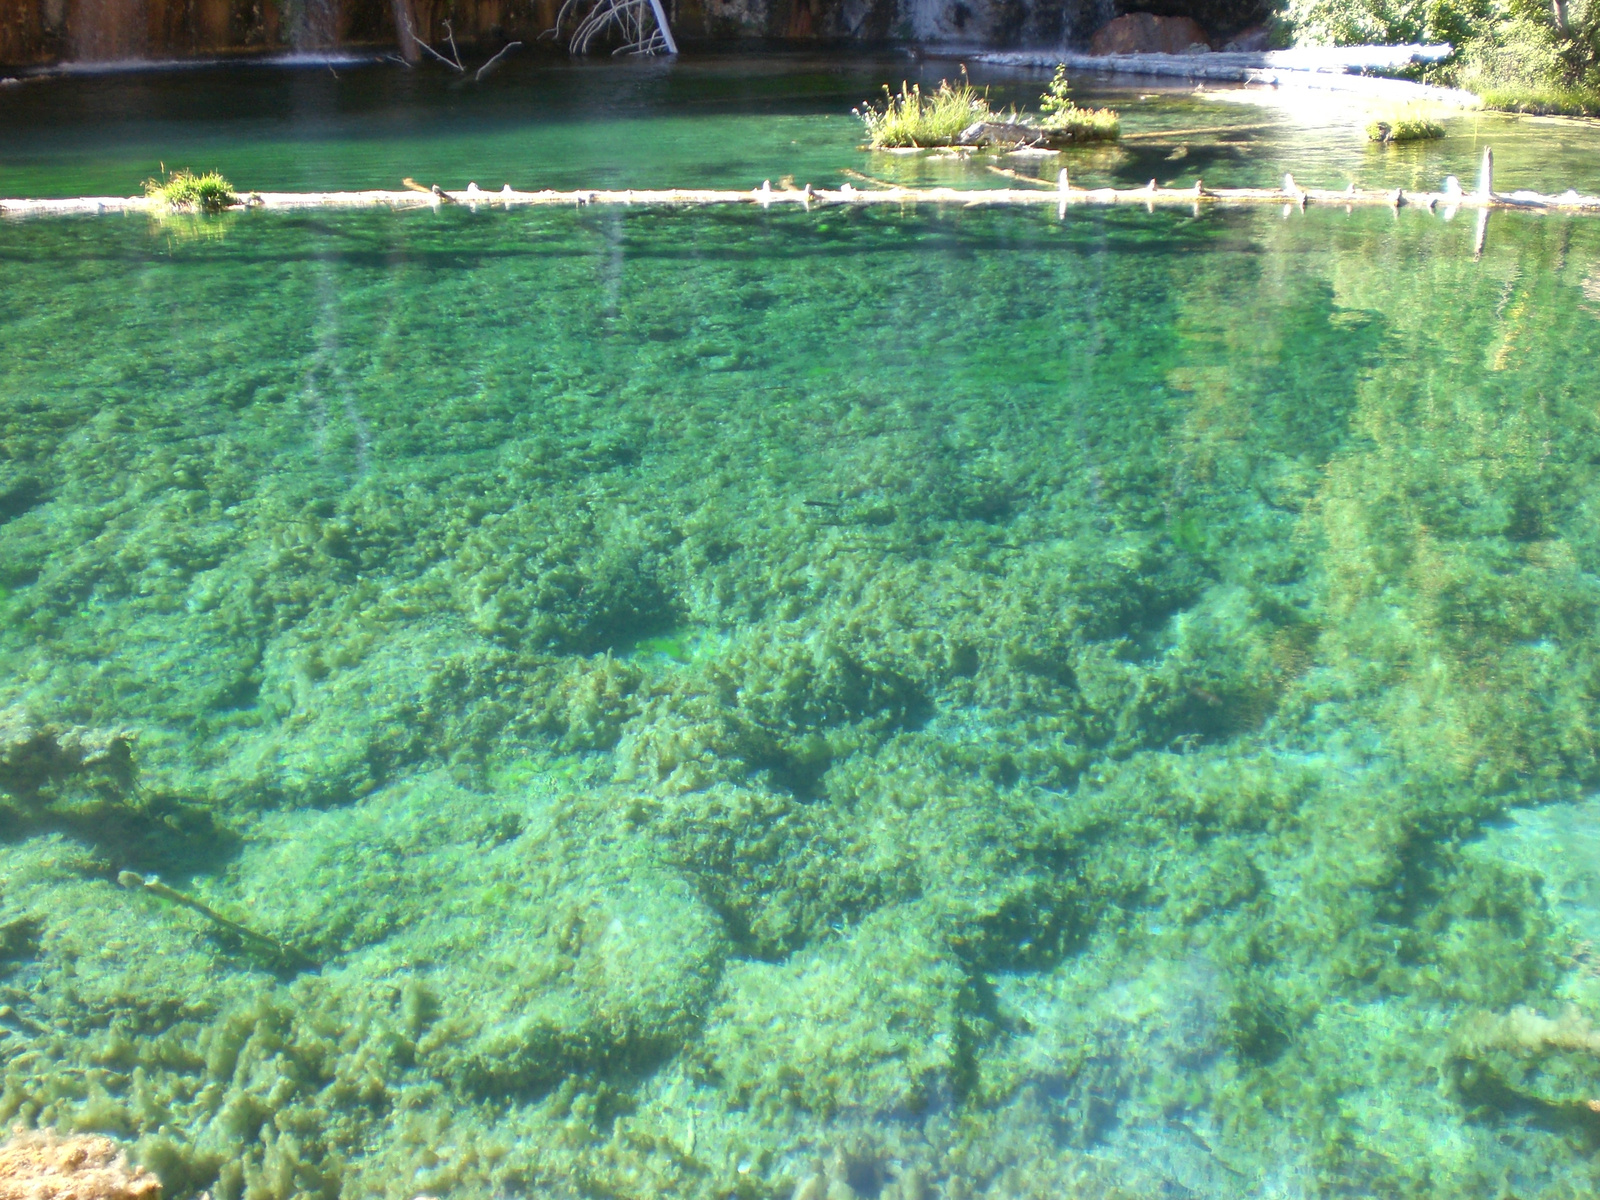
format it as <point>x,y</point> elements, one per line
<point>184,191</point>
<point>960,115</point>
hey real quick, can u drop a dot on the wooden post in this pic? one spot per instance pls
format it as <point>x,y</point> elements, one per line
<point>1486,176</point>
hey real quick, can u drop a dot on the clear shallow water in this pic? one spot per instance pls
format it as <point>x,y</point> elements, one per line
<point>700,123</point>
<point>949,703</point>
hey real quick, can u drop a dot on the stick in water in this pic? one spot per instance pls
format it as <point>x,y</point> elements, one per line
<point>153,885</point>
<point>489,66</point>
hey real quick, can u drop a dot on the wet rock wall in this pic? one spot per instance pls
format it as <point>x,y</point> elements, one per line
<point>39,32</point>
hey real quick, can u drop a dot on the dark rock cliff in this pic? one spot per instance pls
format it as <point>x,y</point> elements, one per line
<point>47,31</point>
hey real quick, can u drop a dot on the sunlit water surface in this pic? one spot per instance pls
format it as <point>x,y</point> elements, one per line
<point>943,703</point>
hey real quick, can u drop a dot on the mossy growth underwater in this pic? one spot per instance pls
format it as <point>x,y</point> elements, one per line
<point>731,704</point>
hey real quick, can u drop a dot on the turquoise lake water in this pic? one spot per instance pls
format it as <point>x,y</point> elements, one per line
<point>918,705</point>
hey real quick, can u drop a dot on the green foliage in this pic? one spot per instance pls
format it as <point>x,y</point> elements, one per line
<point>185,191</point>
<point>1057,97</point>
<point>1520,55</point>
<point>1067,122</point>
<point>1528,63</point>
<point>1544,101</point>
<point>1358,22</point>
<point>910,118</point>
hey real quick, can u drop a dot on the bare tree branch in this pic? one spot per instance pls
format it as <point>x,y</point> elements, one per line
<point>454,63</point>
<point>488,66</point>
<point>641,23</point>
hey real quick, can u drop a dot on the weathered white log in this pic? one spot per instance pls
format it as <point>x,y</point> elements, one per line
<point>1486,176</point>
<point>885,193</point>
<point>663,26</point>
<point>642,24</point>
<point>1321,67</point>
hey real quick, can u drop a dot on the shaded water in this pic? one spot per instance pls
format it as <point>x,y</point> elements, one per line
<point>723,123</point>
<point>943,703</point>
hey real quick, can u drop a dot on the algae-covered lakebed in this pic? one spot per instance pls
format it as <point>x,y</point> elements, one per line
<point>940,704</point>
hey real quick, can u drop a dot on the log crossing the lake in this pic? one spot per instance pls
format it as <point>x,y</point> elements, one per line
<point>1041,192</point>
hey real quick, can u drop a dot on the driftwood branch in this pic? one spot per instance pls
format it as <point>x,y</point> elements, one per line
<point>152,885</point>
<point>489,66</point>
<point>453,63</point>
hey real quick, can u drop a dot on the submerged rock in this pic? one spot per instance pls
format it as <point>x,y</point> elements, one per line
<point>990,133</point>
<point>35,754</point>
<point>39,1165</point>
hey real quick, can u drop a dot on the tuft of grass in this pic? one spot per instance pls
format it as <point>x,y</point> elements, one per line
<point>911,117</point>
<point>1066,122</point>
<point>1404,129</point>
<point>1551,101</point>
<point>185,191</point>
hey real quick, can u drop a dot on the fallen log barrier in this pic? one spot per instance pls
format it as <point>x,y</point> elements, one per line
<point>1061,194</point>
<point>1333,68</point>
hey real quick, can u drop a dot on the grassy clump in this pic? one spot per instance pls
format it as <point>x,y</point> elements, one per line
<point>911,118</point>
<point>185,191</point>
<point>1065,121</point>
<point>1549,101</point>
<point>1404,129</point>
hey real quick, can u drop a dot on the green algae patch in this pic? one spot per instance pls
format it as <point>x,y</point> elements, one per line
<point>874,1023</point>
<point>727,731</point>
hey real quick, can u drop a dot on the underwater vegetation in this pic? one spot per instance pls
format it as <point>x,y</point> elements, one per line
<point>727,731</point>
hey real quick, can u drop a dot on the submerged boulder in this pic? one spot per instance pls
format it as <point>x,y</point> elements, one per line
<point>38,1165</point>
<point>989,133</point>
